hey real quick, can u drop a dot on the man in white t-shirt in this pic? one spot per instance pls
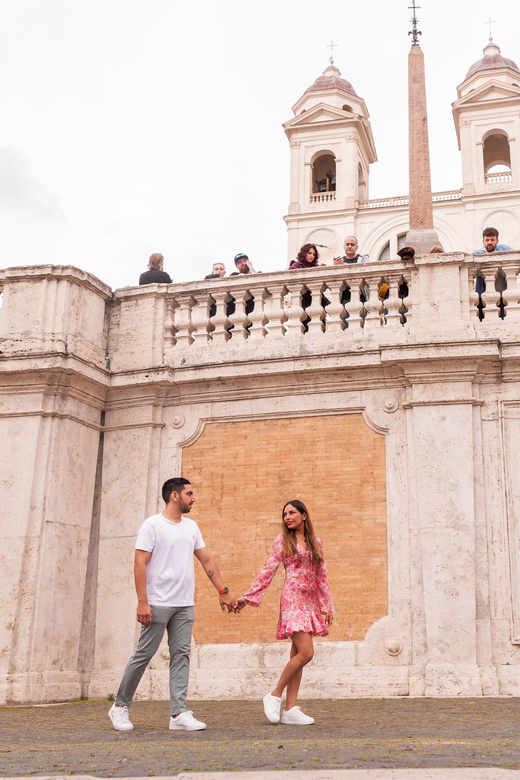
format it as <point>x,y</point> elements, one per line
<point>165,584</point>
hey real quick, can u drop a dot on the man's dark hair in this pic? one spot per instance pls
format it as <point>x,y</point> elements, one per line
<point>490,232</point>
<point>173,485</point>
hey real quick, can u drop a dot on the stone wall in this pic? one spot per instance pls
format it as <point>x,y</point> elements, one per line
<point>397,425</point>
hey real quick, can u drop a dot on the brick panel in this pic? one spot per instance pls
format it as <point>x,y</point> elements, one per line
<point>244,472</point>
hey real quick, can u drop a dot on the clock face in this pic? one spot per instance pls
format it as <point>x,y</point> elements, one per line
<point>330,245</point>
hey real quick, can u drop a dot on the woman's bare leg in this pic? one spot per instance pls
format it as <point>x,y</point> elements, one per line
<point>293,686</point>
<point>302,651</point>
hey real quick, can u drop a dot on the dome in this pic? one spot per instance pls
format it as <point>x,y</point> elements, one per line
<point>331,79</point>
<point>491,60</point>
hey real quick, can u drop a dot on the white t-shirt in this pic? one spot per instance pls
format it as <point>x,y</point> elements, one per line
<point>170,574</point>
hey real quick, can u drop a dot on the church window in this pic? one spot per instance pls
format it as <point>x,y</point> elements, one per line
<point>385,253</point>
<point>324,173</point>
<point>347,108</point>
<point>396,242</point>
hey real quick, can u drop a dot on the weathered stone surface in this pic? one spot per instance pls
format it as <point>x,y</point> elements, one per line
<point>401,436</point>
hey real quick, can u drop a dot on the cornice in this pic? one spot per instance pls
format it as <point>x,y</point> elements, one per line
<point>59,272</point>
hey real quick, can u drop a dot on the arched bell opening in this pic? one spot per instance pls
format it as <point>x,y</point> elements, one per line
<point>497,156</point>
<point>324,173</point>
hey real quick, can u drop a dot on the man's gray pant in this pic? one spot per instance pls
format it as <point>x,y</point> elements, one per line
<point>178,622</point>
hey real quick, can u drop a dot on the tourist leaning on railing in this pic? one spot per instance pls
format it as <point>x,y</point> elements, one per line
<point>155,274</point>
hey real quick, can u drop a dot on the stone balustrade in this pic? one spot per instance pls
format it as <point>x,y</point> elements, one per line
<point>45,309</point>
<point>288,305</point>
<point>498,178</point>
<point>437,197</point>
<point>323,197</point>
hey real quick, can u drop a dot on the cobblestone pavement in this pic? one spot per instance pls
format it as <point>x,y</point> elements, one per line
<point>77,738</point>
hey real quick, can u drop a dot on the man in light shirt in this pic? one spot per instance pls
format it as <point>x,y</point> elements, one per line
<point>165,585</point>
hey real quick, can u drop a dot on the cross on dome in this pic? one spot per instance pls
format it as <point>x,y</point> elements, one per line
<point>332,46</point>
<point>490,21</point>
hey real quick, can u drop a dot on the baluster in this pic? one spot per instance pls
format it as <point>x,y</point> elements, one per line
<point>511,296</point>
<point>373,306</point>
<point>335,309</point>
<point>258,317</point>
<point>393,317</point>
<point>474,304</point>
<point>239,318</point>
<point>200,318</point>
<point>169,338</point>
<point>220,321</point>
<point>273,307</point>
<point>490,299</point>
<point>293,310</point>
<point>183,322</point>
<point>315,311</point>
<point>355,310</point>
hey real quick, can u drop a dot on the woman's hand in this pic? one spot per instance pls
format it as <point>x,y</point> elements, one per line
<point>328,618</point>
<point>241,603</point>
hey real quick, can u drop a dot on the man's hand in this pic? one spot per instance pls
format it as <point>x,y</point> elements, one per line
<point>144,613</point>
<point>227,601</point>
<point>338,261</point>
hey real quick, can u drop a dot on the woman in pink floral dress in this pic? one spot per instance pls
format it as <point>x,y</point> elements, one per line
<point>305,605</point>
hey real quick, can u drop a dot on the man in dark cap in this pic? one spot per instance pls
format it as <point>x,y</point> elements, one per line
<point>243,265</point>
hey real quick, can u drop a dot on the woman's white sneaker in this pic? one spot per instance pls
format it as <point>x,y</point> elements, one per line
<point>186,722</point>
<point>272,706</point>
<point>295,717</point>
<point>119,718</point>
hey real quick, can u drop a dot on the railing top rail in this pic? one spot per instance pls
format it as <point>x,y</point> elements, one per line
<point>261,280</point>
<point>330,273</point>
<point>354,272</point>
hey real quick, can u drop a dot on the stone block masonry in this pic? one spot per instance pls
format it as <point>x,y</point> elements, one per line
<point>395,422</point>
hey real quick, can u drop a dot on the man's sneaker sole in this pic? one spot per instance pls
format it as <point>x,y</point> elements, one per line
<point>198,726</point>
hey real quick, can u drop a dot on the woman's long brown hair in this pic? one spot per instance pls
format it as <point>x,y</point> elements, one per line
<point>289,536</point>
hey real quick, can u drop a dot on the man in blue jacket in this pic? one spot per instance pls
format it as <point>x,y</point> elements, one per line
<point>490,241</point>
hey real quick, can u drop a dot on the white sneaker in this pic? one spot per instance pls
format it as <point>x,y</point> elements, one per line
<point>272,706</point>
<point>186,722</point>
<point>295,717</point>
<point>119,718</point>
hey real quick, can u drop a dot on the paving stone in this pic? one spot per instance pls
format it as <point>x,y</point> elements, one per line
<point>77,738</point>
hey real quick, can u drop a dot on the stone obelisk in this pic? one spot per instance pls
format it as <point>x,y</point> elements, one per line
<point>421,235</point>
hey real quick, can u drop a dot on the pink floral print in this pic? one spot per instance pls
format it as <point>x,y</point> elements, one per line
<point>305,595</point>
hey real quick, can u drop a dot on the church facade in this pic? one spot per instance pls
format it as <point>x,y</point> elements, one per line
<point>332,148</point>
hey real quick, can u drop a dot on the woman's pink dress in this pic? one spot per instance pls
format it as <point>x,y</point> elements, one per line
<point>305,595</point>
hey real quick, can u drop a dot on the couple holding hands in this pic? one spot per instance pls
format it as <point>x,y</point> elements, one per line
<point>165,585</point>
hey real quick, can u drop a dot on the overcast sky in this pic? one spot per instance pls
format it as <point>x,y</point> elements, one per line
<point>138,126</point>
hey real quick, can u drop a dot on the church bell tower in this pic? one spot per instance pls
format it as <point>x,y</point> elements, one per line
<point>487,120</point>
<point>331,149</point>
